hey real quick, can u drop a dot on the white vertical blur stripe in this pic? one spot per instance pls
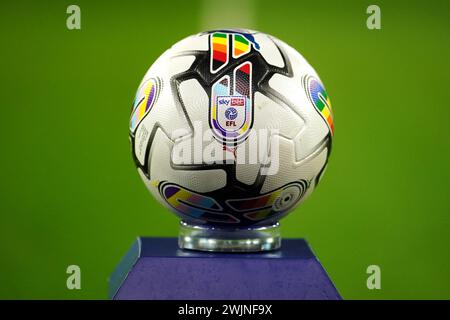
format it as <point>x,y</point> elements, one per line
<point>226,14</point>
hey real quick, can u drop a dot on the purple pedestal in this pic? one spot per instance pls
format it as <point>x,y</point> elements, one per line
<point>155,268</point>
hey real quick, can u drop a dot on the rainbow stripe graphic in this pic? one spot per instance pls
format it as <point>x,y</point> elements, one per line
<point>241,46</point>
<point>194,205</point>
<point>257,208</point>
<point>204,207</point>
<point>219,51</point>
<point>258,203</point>
<point>271,203</point>
<point>321,101</point>
<point>143,102</point>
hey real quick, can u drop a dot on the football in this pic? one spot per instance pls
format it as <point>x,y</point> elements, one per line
<point>231,129</point>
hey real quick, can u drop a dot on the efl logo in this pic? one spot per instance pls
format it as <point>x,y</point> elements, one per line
<point>231,111</point>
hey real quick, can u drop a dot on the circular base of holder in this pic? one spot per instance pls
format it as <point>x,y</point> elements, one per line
<point>255,239</point>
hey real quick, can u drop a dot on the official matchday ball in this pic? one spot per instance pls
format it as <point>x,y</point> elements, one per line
<point>231,129</point>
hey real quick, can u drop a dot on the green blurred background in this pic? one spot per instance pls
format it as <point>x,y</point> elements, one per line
<point>70,193</point>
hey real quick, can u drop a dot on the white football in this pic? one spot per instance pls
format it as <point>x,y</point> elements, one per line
<point>231,128</point>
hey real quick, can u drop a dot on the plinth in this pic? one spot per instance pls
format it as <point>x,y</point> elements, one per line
<point>155,268</point>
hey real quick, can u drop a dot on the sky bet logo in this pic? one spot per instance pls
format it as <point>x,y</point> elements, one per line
<point>224,102</point>
<point>231,106</point>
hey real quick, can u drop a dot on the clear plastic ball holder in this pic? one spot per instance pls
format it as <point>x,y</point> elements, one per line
<point>244,239</point>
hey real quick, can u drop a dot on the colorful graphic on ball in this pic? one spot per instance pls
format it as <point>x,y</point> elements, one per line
<point>194,205</point>
<point>319,98</point>
<point>201,206</point>
<point>277,201</point>
<point>219,51</point>
<point>219,42</point>
<point>143,102</point>
<point>238,96</point>
<point>241,45</point>
<point>234,87</point>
